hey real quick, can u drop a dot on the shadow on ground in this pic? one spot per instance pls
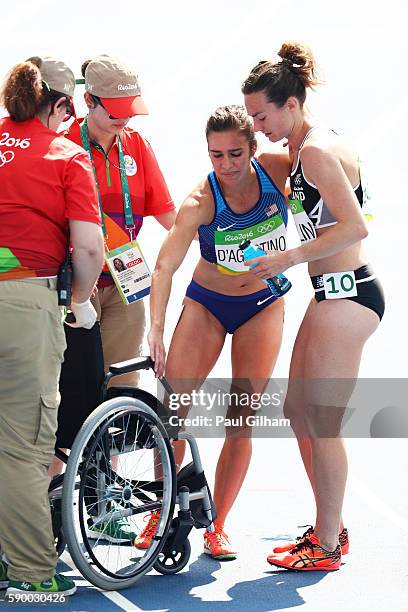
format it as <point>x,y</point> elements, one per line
<point>275,590</point>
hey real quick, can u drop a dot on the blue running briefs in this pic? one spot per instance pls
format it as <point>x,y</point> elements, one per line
<point>232,311</point>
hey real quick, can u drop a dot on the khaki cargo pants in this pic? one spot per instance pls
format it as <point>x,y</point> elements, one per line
<point>32,344</point>
<point>122,331</point>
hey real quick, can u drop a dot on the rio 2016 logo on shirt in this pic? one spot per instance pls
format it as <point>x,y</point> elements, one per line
<point>130,165</point>
<point>6,157</point>
<point>269,235</point>
<point>10,141</point>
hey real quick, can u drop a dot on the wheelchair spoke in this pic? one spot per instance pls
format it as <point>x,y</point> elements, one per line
<point>126,472</point>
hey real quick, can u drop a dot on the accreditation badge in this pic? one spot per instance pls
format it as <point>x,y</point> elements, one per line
<point>130,271</point>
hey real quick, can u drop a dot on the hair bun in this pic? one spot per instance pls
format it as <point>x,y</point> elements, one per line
<point>295,53</point>
<point>290,73</point>
<point>299,59</point>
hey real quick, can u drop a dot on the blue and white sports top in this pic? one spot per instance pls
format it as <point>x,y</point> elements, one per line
<point>265,225</point>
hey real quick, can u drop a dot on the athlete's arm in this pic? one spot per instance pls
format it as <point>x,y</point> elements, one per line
<point>190,216</point>
<point>324,169</point>
<point>326,172</point>
<point>167,220</point>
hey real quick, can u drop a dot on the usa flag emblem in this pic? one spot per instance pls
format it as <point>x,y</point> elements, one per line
<point>272,210</point>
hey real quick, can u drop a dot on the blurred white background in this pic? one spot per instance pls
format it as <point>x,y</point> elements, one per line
<point>193,56</point>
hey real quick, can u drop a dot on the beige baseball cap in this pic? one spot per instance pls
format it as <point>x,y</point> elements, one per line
<point>116,85</point>
<point>56,74</point>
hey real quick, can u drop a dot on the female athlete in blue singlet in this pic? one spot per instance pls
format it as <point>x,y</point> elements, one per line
<point>326,201</point>
<point>242,198</point>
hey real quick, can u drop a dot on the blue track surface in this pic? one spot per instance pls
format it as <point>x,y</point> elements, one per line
<point>268,510</point>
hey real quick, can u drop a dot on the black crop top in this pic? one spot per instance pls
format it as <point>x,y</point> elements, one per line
<point>307,194</point>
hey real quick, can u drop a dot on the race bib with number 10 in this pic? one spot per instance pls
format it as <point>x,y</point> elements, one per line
<point>339,285</point>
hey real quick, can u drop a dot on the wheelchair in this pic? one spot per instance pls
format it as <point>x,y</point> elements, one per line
<point>121,466</point>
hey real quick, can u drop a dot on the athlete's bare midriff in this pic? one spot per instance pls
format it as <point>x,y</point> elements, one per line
<point>207,275</point>
<point>350,258</point>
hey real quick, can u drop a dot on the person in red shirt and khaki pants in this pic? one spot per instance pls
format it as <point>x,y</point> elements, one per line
<point>47,195</point>
<point>130,187</point>
<point>113,96</point>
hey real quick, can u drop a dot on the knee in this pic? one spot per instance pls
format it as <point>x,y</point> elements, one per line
<point>293,406</point>
<point>323,421</point>
<point>238,438</point>
<point>294,412</point>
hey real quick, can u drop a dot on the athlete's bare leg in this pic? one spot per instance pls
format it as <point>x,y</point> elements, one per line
<point>255,348</point>
<point>294,398</point>
<point>294,404</point>
<point>194,349</point>
<point>335,333</point>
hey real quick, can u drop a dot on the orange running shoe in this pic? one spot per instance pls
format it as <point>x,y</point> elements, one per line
<point>144,539</point>
<point>308,555</point>
<point>217,545</point>
<point>290,545</point>
<point>343,541</point>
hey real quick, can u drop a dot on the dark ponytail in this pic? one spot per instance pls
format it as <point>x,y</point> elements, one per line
<point>289,77</point>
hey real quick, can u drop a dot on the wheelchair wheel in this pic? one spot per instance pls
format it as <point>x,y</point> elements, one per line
<point>173,561</point>
<point>120,470</point>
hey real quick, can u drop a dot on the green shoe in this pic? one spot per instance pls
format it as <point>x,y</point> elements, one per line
<point>57,584</point>
<point>119,531</point>
<point>4,581</point>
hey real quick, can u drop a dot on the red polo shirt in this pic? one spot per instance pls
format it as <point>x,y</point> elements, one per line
<point>45,180</point>
<point>148,190</point>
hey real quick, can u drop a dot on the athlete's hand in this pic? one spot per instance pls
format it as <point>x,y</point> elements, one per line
<point>157,351</point>
<point>267,266</point>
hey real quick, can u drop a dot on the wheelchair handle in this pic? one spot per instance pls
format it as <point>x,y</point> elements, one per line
<point>132,365</point>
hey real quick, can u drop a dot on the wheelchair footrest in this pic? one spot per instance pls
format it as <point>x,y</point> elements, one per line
<point>180,528</point>
<point>187,477</point>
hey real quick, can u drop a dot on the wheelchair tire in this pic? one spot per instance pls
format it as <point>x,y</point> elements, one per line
<point>173,561</point>
<point>100,430</point>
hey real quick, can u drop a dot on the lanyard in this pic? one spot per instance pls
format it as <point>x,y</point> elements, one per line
<point>127,202</point>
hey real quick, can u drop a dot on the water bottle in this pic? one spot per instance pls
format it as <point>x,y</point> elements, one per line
<point>279,284</point>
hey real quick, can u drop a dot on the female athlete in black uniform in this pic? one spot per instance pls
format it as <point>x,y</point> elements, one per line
<point>326,202</point>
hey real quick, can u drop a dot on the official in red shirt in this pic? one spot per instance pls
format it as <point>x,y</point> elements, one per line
<point>130,187</point>
<point>47,197</point>
<point>113,96</point>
